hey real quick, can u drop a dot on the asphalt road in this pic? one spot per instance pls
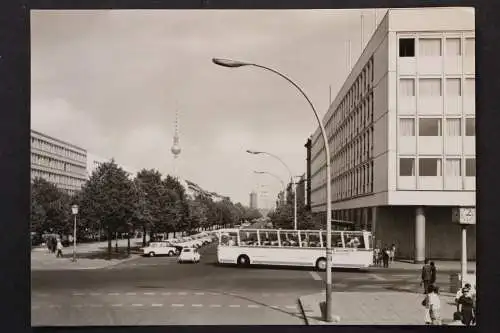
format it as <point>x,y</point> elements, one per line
<point>159,291</point>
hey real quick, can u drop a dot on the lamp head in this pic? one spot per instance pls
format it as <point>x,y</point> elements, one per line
<point>229,63</point>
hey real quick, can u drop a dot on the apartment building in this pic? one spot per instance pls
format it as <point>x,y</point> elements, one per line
<point>58,162</point>
<point>402,134</point>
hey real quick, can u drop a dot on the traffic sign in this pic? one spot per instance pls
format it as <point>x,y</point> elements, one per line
<point>464,215</point>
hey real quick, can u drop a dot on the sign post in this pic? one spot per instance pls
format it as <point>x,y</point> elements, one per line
<point>464,216</point>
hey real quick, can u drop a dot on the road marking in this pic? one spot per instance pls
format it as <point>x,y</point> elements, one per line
<point>316,276</point>
<point>178,305</point>
<point>215,305</point>
<point>116,305</point>
<point>113,294</point>
<point>275,307</point>
<point>95,294</point>
<point>377,277</point>
<point>157,305</point>
<point>234,306</point>
<point>166,294</point>
<point>214,294</point>
<point>78,294</point>
<point>131,294</point>
<point>182,293</point>
<point>199,293</point>
<point>196,305</point>
<point>150,294</point>
<point>96,305</point>
<point>291,306</point>
<point>137,305</point>
<point>253,306</point>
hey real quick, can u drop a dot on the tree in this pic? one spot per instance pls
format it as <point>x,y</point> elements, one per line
<point>108,197</point>
<point>50,208</point>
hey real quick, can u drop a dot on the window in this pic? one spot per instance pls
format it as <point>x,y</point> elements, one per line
<point>470,87</point>
<point>429,47</point>
<point>407,87</point>
<point>453,88</point>
<point>429,127</point>
<point>470,45</point>
<point>470,167</point>
<point>430,87</point>
<point>407,167</point>
<point>407,47</point>
<point>268,238</point>
<point>453,127</point>
<point>470,127</point>
<point>407,127</point>
<point>310,239</point>
<point>354,240</point>
<point>429,167</point>
<point>453,47</point>
<point>248,238</point>
<point>453,167</point>
<point>289,238</point>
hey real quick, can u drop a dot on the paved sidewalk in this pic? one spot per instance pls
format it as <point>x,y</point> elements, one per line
<point>375,308</point>
<point>88,256</point>
<point>441,265</point>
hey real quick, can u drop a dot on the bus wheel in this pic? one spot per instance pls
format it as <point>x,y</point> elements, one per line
<point>243,260</point>
<point>321,264</point>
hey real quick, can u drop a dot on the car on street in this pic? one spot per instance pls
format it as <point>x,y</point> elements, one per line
<point>189,254</point>
<point>160,248</point>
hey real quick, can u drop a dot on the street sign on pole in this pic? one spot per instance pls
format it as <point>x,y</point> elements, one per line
<point>464,215</point>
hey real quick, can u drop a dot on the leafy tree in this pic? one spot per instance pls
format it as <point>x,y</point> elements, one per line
<point>38,216</point>
<point>108,197</point>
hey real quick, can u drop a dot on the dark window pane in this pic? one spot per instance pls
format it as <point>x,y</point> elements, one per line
<point>429,127</point>
<point>470,167</point>
<point>429,167</point>
<point>407,47</point>
<point>470,127</point>
<point>407,167</point>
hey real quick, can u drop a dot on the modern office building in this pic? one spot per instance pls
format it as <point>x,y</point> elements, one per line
<point>58,162</point>
<point>402,134</point>
<point>253,200</point>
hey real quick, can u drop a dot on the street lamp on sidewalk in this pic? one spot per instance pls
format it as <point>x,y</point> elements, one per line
<point>234,64</point>
<point>74,210</point>
<point>294,187</point>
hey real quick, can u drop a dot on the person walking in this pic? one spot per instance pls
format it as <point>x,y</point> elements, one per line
<point>433,273</point>
<point>376,256</point>
<point>466,304</point>
<point>385,256</point>
<point>434,305</point>
<point>426,276</point>
<point>59,248</point>
<point>392,253</point>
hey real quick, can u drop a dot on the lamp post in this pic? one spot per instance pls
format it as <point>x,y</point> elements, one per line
<point>74,210</point>
<point>294,187</point>
<point>235,64</point>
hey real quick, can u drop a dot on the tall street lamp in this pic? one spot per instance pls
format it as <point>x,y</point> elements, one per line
<point>233,64</point>
<point>294,187</point>
<point>74,210</point>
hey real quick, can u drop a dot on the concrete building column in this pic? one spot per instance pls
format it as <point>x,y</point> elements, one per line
<point>365,218</point>
<point>419,235</point>
<point>374,226</point>
<point>359,223</point>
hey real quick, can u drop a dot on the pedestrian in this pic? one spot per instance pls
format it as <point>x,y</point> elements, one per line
<point>59,248</point>
<point>376,256</point>
<point>425,304</point>
<point>426,276</point>
<point>466,303</point>
<point>385,256</point>
<point>434,305</point>
<point>457,319</point>
<point>392,253</point>
<point>52,245</point>
<point>433,273</point>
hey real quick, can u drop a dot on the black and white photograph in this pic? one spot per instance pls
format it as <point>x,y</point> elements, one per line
<point>253,167</point>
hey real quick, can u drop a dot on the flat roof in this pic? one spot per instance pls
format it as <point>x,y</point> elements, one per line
<point>58,140</point>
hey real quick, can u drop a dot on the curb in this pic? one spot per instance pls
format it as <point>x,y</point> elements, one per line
<point>132,257</point>
<point>301,306</point>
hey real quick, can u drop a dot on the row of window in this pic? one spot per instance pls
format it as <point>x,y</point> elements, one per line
<point>433,87</point>
<point>433,47</point>
<point>59,150</point>
<point>432,167</point>
<point>56,164</point>
<point>356,182</point>
<point>57,179</point>
<point>433,126</point>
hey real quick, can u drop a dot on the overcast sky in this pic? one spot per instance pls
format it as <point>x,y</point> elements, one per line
<point>111,81</point>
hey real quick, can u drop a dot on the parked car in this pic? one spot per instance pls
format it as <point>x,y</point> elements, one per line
<point>189,254</point>
<point>160,248</point>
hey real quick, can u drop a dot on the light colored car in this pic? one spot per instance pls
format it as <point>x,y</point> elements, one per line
<point>160,248</point>
<point>189,254</point>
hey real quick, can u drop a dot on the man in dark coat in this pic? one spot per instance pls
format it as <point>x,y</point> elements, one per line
<point>426,276</point>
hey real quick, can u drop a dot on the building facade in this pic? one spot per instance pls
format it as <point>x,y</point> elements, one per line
<point>253,200</point>
<point>308,173</point>
<point>58,162</point>
<point>402,134</point>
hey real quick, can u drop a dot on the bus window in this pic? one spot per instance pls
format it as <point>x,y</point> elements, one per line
<point>229,239</point>
<point>310,238</point>
<point>290,238</point>
<point>268,238</point>
<point>354,240</point>
<point>248,238</point>
<point>336,239</point>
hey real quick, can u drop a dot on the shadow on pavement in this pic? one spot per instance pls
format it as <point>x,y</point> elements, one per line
<point>122,253</point>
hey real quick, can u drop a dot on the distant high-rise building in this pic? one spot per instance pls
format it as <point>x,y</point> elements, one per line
<point>176,148</point>
<point>58,162</point>
<point>253,200</point>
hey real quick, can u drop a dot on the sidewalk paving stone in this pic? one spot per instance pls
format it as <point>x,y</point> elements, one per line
<point>373,308</point>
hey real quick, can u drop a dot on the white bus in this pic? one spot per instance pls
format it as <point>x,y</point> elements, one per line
<point>351,249</point>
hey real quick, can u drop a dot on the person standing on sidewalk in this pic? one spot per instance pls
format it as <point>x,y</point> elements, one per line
<point>433,273</point>
<point>426,276</point>
<point>385,256</point>
<point>434,305</point>
<point>59,248</point>
<point>392,253</point>
<point>466,300</point>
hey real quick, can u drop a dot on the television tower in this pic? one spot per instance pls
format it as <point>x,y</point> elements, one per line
<point>176,148</point>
